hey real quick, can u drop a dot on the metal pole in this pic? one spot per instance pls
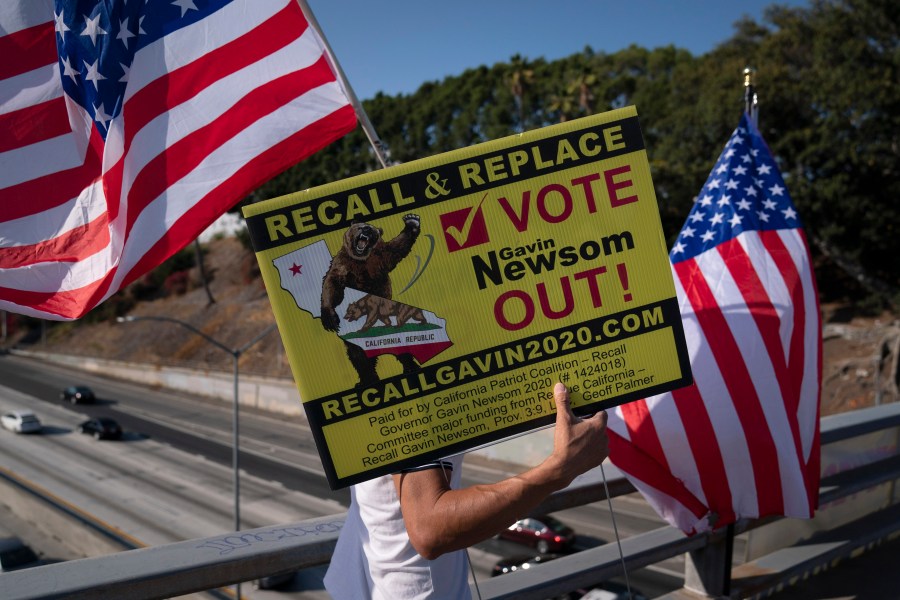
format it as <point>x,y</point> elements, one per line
<point>707,570</point>
<point>235,421</point>
<point>751,101</point>
<point>364,122</point>
<point>235,456</point>
<point>2,326</point>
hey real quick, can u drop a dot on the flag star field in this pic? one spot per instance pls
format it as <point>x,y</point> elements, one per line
<point>744,192</point>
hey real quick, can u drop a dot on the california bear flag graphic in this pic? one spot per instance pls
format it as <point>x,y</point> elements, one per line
<point>377,325</point>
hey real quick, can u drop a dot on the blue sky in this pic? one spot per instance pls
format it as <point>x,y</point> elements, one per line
<point>397,45</point>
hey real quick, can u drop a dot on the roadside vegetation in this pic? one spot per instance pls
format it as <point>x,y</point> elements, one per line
<point>826,76</point>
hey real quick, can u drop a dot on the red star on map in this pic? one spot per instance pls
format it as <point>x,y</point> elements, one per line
<point>296,269</point>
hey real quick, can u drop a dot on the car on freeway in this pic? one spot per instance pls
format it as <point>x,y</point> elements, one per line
<point>521,562</point>
<point>15,555</point>
<point>78,394</point>
<point>276,582</point>
<point>102,428</point>
<point>21,421</point>
<point>544,532</point>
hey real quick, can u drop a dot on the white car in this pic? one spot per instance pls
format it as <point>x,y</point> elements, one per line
<point>21,421</point>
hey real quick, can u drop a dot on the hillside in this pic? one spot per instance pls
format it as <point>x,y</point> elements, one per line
<point>241,311</point>
<point>860,358</point>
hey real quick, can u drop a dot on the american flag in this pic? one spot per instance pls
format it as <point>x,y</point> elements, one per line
<point>128,126</point>
<point>743,440</point>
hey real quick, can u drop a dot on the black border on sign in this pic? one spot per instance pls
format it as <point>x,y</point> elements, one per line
<point>671,320</point>
<point>631,141</point>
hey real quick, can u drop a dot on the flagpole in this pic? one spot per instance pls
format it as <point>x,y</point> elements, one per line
<point>364,122</point>
<point>751,101</point>
<point>707,570</point>
<point>751,107</point>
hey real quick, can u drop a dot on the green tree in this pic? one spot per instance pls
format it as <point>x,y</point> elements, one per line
<point>827,77</point>
<point>832,112</point>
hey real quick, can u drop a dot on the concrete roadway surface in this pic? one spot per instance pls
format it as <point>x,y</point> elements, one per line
<point>171,476</point>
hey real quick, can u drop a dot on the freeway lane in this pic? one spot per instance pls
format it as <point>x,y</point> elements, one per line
<point>282,450</point>
<point>275,448</point>
<point>149,493</point>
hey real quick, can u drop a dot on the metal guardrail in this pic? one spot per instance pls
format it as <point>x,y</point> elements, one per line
<point>180,568</point>
<point>207,563</point>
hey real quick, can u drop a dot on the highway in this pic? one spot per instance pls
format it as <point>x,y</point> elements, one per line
<point>171,476</point>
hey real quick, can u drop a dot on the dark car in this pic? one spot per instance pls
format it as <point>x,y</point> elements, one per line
<point>520,563</point>
<point>102,428</point>
<point>544,533</point>
<point>78,394</point>
<point>15,555</point>
<point>275,582</point>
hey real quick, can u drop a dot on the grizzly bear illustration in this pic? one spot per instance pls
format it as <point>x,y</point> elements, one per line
<point>376,308</point>
<point>364,262</point>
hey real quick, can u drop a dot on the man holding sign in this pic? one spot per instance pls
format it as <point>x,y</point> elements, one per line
<point>426,309</point>
<point>405,533</point>
<point>485,274</point>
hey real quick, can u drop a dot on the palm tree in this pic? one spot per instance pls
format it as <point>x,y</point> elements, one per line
<point>583,84</point>
<point>577,98</point>
<point>520,80</point>
<point>562,103</point>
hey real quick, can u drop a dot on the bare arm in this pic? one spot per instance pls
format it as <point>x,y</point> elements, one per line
<point>439,520</point>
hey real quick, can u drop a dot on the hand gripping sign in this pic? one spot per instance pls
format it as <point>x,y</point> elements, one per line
<point>428,308</point>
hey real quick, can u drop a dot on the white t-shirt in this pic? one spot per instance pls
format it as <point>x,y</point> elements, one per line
<point>374,559</point>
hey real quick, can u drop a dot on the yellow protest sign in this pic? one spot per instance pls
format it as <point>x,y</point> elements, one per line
<point>428,308</point>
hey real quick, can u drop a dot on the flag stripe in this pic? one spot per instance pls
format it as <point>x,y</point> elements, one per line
<point>219,99</point>
<point>28,89</point>
<point>730,439</point>
<point>738,382</point>
<point>16,16</point>
<point>808,405</point>
<point>641,430</point>
<point>752,327</point>
<point>47,192</point>
<point>44,277</point>
<point>795,345</point>
<point>33,47</point>
<point>34,124</point>
<point>158,215</point>
<point>631,458</point>
<point>186,154</point>
<point>670,439</point>
<point>184,45</point>
<point>76,244</point>
<point>280,125</point>
<point>672,431</point>
<point>58,304</point>
<point>328,128</point>
<point>807,410</point>
<point>117,178</point>
<point>796,358</point>
<point>756,295</point>
<point>699,430</point>
<point>183,84</point>
<point>767,369</point>
<point>38,160</point>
